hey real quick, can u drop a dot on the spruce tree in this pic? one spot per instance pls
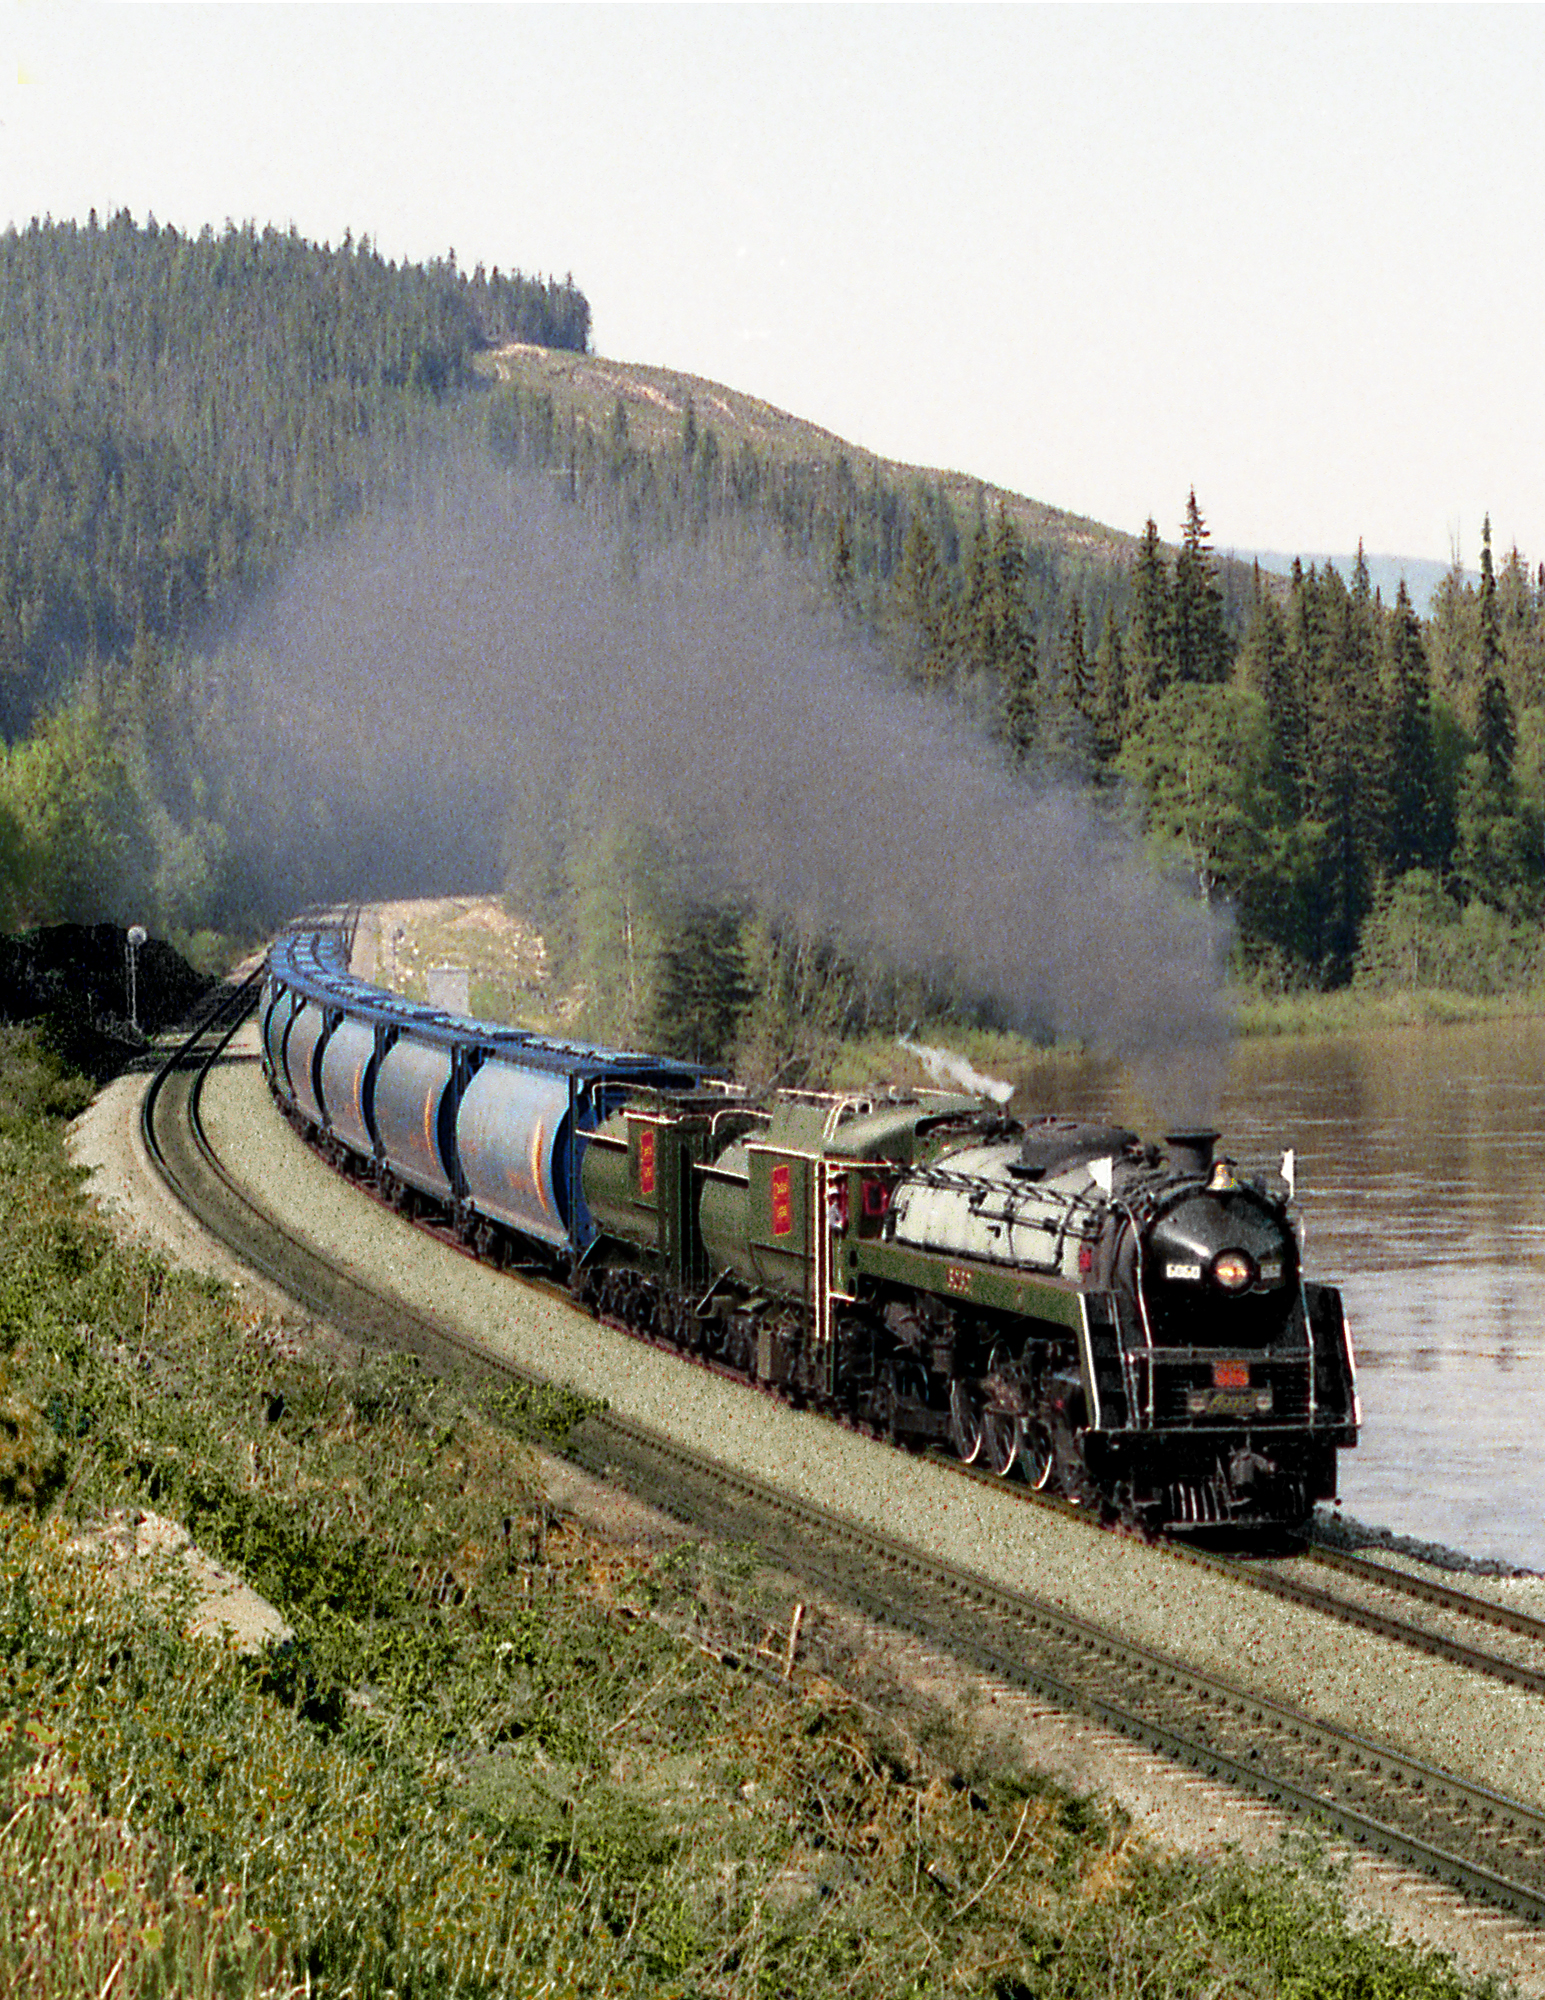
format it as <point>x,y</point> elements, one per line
<point>1110,690</point>
<point>1077,667</point>
<point>1200,643</point>
<point>1346,786</point>
<point>1496,734</point>
<point>1266,667</point>
<point>1496,729</point>
<point>1150,635</point>
<point>704,987</point>
<point>1068,705</point>
<point>1418,835</point>
<point>1007,636</point>
<point>921,601</point>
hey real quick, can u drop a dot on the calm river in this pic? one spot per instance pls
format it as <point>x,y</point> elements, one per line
<point>1421,1177</point>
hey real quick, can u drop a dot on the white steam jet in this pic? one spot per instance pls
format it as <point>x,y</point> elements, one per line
<point>944,1066</point>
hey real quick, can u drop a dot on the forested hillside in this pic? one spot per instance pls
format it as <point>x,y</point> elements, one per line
<point>183,419</point>
<point>1364,789</point>
<point>178,413</point>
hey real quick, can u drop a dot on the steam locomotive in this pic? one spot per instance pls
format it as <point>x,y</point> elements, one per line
<point>1126,1325</point>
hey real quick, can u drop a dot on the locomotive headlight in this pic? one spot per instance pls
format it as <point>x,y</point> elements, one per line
<point>1233,1270</point>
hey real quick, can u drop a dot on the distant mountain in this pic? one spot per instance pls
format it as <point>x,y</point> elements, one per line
<point>1422,577</point>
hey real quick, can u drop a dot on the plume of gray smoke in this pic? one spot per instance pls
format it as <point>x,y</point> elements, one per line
<point>431,676</point>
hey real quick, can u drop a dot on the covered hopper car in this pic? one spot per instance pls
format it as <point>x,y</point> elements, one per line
<point>1125,1324</point>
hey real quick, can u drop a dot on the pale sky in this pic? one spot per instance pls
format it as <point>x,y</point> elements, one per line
<point>1289,255</point>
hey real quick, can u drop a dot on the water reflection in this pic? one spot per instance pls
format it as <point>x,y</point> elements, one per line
<point>1421,1172</point>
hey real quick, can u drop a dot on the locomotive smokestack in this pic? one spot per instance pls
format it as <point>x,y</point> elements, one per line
<point>1191,1152</point>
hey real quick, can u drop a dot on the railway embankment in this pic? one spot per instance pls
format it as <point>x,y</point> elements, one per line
<point>1097,1923</point>
<point>1489,1733</point>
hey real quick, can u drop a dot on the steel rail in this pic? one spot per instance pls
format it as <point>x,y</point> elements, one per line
<point>186,1161</point>
<point>1253,1572</point>
<point>236,1000</point>
<point>1041,1648</point>
<point>1368,1618</point>
<point>1428,1590</point>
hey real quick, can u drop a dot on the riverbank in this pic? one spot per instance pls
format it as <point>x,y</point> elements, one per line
<point>1362,1010</point>
<point>1067,1076</point>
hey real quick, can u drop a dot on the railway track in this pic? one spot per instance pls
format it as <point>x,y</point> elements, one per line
<point>1372,1597</point>
<point>1488,1847</point>
<point>1416,1611</point>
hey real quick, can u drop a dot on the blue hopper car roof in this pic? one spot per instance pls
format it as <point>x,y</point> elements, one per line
<point>315,964</point>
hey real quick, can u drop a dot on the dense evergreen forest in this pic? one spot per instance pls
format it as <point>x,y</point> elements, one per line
<point>182,418</point>
<point>177,414</point>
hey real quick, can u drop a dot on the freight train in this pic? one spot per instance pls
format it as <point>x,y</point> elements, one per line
<point>1123,1324</point>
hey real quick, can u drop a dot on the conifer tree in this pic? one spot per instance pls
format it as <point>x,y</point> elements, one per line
<point>703,985</point>
<point>1496,730</point>
<point>1266,667</point>
<point>1004,638</point>
<point>1150,633</point>
<point>973,628</point>
<point>1077,667</point>
<point>1417,832</point>
<point>1496,735</point>
<point>1110,690</point>
<point>920,599</point>
<point>1199,638</point>
<point>1067,706</point>
<point>1345,787</point>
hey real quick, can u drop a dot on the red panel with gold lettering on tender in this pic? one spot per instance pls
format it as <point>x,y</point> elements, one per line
<point>781,1200</point>
<point>779,1217</point>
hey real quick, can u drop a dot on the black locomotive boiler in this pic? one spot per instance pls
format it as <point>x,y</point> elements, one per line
<point>1125,1324</point>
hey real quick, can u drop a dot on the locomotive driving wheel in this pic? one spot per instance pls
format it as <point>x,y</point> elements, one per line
<point>1002,1434</point>
<point>965,1421</point>
<point>1003,1430</point>
<point>1040,1456</point>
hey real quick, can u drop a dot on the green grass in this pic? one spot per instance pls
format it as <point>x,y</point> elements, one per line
<point>1359,1010</point>
<point>500,1756</point>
